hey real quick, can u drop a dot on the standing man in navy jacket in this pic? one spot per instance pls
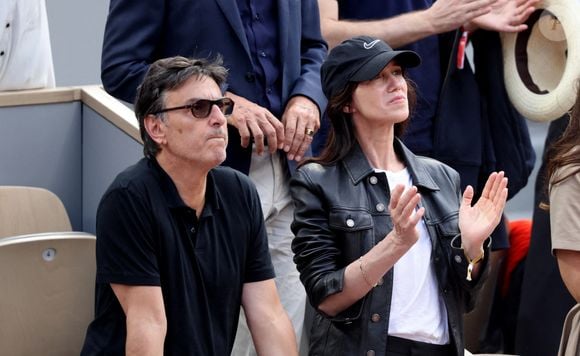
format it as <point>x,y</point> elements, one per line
<point>273,50</point>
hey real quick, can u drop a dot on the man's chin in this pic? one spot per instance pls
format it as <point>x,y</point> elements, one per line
<point>220,158</point>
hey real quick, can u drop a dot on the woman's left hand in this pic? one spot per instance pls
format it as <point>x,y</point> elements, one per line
<point>477,222</point>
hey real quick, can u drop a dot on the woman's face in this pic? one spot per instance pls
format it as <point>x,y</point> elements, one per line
<point>382,100</point>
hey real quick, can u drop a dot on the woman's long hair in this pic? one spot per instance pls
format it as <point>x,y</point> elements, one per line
<point>341,136</point>
<point>562,153</point>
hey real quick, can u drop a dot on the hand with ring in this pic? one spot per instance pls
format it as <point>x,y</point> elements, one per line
<point>301,120</point>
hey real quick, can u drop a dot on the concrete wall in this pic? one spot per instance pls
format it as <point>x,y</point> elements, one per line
<point>106,152</point>
<point>68,149</point>
<point>76,35</point>
<point>40,147</point>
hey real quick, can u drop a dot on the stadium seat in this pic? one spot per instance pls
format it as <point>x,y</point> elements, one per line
<point>47,299</point>
<point>29,210</point>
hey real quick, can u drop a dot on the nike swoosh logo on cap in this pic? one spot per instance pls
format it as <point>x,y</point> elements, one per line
<point>370,45</point>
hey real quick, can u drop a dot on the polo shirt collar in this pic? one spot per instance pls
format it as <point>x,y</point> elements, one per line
<point>213,199</point>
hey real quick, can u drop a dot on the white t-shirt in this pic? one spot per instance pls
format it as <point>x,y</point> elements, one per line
<point>417,308</point>
<point>25,53</point>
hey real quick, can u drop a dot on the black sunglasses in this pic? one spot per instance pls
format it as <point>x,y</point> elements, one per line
<point>202,107</point>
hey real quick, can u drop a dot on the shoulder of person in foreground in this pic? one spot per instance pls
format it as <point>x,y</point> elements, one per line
<point>565,230</point>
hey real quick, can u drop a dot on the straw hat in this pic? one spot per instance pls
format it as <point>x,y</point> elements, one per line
<point>542,64</point>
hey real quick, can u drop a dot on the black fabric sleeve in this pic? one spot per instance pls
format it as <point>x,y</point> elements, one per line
<point>125,241</point>
<point>258,262</point>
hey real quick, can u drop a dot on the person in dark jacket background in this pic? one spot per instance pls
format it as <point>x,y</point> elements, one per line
<point>389,252</point>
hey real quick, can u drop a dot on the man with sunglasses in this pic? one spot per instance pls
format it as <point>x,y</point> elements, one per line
<point>182,241</point>
<point>273,50</point>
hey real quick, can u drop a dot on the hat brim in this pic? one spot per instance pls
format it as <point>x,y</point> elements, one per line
<point>372,68</point>
<point>549,92</point>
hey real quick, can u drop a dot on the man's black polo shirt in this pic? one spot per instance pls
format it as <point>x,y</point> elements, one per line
<point>146,235</point>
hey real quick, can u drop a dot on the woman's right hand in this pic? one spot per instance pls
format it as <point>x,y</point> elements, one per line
<point>361,275</point>
<point>404,215</point>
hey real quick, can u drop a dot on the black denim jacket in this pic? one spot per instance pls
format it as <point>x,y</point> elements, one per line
<point>341,213</point>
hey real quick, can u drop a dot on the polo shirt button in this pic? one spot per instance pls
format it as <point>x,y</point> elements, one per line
<point>250,77</point>
<point>380,207</point>
<point>257,17</point>
<point>269,91</point>
<point>349,222</point>
<point>8,25</point>
<point>192,230</point>
<point>1,53</point>
<point>371,353</point>
<point>457,258</point>
<point>373,180</point>
<point>375,318</point>
<point>263,54</point>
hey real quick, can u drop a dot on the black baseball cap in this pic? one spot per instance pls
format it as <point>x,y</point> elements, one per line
<point>358,59</point>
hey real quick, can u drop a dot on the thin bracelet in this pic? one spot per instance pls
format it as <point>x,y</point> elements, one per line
<point>472,263</point>
<point>364,274</point>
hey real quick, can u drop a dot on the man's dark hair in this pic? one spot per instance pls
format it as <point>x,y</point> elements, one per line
<point>169,74</point>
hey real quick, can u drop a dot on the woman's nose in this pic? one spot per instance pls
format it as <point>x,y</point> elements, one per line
<point>395,82</point>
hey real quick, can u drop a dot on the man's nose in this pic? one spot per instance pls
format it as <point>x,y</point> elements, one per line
<point>216,116</point>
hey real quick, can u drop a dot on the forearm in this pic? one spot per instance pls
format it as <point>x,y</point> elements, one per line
<point>145,337</point>
<point>268,322</point>
<point>396,31</point>
<point>361,275</point>
<point>146,322</point>
<point>275,336</point>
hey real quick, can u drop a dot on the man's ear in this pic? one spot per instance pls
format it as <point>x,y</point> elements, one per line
<point>155,127</point>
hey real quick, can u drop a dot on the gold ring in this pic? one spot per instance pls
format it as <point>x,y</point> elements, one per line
<point>309,132</point>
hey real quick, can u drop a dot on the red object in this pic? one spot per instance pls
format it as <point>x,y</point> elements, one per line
<point>520,232</point>
<point>461,49</point>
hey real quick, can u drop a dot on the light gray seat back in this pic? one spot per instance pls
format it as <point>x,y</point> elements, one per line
<point>46,293</point>
<point>30,210</point>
